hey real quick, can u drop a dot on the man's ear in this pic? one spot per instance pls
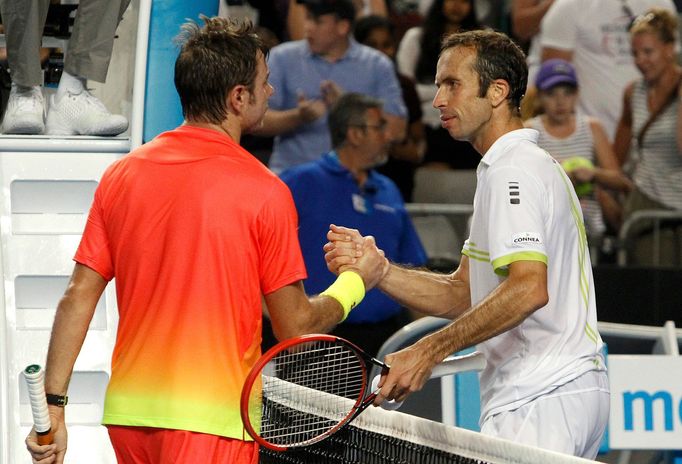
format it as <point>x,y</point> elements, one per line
<point>354,135</point>
<point>498,91</point>
<point>237,98</point>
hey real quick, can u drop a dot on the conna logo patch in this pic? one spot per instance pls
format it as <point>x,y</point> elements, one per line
<point>526,238</point>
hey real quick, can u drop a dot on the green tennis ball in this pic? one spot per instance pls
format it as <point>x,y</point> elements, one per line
<point>575,162</point>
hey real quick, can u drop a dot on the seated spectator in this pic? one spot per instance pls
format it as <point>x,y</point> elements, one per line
<point>73,110</point>
<point>417,57</point>
<point>309,75</point>
<point>577,141</point>
<point>593,36</point>
<point>649,136</point>
<point>343,187</point>
<point>405,155</point>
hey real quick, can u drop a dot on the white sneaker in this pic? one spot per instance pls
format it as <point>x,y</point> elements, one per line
<point>25,113</point>
<point>82,114</point>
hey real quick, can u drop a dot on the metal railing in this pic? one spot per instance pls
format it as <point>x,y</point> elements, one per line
<point>636,219</point>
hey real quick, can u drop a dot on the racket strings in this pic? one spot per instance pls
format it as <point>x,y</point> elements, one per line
<point>323,373</point>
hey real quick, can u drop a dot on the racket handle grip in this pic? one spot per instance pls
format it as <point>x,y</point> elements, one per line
<point>390,405</point>
<point>453,364</point>
<point>35,382</point>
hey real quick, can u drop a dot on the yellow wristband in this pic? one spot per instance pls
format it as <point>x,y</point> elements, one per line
<point>348,290</point>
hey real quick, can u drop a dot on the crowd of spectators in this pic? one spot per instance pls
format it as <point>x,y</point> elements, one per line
<point>623,53</point>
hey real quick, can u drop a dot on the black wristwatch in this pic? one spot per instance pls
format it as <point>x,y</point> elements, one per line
<point>57,400</point>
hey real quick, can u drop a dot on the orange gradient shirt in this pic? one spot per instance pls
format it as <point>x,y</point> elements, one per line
<point>195,230</point>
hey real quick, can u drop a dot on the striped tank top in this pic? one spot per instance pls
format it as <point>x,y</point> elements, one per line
<point>579,143</point>
<point>658,172</point>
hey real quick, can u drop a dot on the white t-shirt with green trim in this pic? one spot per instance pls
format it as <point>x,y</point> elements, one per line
<point>525,208</point>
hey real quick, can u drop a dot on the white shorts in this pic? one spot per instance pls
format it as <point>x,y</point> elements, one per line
<point>570,419</point>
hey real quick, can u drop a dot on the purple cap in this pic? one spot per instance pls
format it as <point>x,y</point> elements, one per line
<point>555,72</point>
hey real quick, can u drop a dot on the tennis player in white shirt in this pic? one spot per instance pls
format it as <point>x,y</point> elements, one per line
<point>523,292</point>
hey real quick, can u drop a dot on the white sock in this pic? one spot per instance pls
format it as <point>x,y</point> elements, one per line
<point>69,83</point>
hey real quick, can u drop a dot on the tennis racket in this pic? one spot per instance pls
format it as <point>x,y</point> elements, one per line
<point>320,372</point>
<point>35,381</point>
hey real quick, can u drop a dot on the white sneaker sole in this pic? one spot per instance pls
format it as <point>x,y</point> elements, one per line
<point>55,125</point>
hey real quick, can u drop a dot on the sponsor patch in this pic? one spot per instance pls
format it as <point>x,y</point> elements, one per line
<point>526,238</point>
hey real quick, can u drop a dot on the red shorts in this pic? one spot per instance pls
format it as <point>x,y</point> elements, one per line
<point>147,445</point>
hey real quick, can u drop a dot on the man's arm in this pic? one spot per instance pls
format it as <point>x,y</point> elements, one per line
<point>293,313</point>
<point>443,295</point>
<point>621,144</point>
<point>74,313</point>
<point>517,297</point>
<point>549,53</point>
<point>277,122</point>
<point>526,17</point>
<point>559,27</point>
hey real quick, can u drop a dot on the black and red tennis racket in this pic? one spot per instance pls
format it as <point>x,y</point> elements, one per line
<point>307,388</point>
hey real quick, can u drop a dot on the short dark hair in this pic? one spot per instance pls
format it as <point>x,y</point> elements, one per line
<point>497,57</point>
<point>342,9</point>
<point>213,59</point>
<point>349,110</point>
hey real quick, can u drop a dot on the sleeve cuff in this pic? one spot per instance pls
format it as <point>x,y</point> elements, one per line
<point>501,264</point>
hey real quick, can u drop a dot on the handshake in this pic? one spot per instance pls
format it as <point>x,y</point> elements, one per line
<point>347,250</point>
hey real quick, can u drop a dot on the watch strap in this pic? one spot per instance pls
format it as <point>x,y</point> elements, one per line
<point>57,400</point>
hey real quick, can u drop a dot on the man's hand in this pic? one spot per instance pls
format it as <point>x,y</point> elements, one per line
<point>347,250</point>
<point>310,110</point>
<point>331,92</point>
<point>54,453</point>
<point>410,368</point>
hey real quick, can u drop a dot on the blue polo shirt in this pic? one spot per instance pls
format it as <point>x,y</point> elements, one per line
<point>325,192</point>
<point>295,70</point>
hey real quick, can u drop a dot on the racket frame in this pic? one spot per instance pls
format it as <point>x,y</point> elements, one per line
<point>362,402</point>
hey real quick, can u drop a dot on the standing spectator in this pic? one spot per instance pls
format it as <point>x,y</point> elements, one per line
<point>593,36</point>
<point>577,141</point>
<point>197,233</point>
<point>343,187</point>
<point>309,75</point>
<point>73,110</point>
<point>405,155</point>
<point>649,135</point>
<point>526,16</point>
<point>417,56</point>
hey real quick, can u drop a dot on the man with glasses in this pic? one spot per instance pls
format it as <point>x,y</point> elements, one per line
<point>342,187</point>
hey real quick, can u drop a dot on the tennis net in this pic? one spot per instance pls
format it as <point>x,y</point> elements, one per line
<point>378,436</point>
